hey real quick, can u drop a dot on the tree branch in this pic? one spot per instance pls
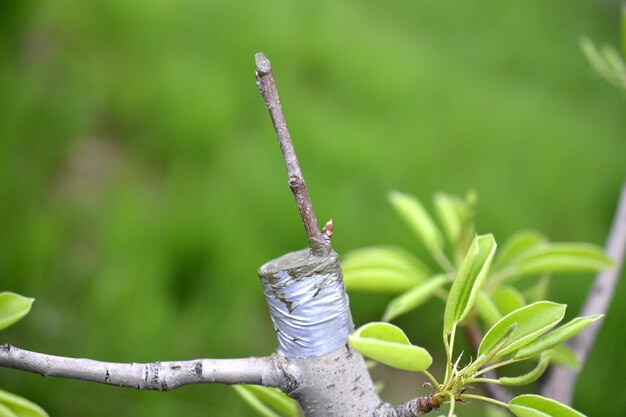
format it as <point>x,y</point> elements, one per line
<point>161,376</point>
<point>412,408</point>
<point>267,87</point>
<point>561,381</point>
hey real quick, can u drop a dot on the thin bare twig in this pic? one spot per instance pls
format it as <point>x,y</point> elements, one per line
<point>561,381</point>
<point>161,376</point>
<point>267,87</point>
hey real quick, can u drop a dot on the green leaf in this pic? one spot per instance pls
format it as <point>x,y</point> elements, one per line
<point>606,62</point>
<point>498,344</point>
<point>388,344</point>
<point>21,406</point>
<point>532,321</point>
<point>563,257</point>
<point>516,245</point>
<point>493,411</point>
<point>452,213</point>
<point>486,309</point>
<point>527,412</point>
<point>537,406</point>
<point>379,281</point>
<point>469,279</point>
<point>614,60</point>
<point>413,298</point>
<point>414,214</point>
<point>267,401</point>
<point>382,269</point>
<point>12,308</point>
<point>391,257</point>
<point>556,337</point>
<point>508,299</point>
<point>533,375</point>
<point>565,356</point>
<point>6,411</point>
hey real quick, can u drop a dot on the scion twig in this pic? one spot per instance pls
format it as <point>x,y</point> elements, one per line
<point>267,87</point>
<point>561,381</point>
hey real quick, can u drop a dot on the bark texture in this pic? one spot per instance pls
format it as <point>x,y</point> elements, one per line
<point>335,385</point>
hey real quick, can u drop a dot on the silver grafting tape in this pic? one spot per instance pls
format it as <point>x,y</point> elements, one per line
<point>308,303</point>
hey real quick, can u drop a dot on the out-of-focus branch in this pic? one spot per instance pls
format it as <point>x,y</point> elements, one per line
<point>561,381</point>
<point>267,87</point>
<point>161,376</point>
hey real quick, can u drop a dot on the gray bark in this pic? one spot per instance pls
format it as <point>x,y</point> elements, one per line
<point>161,376</point>
<point>336,384</point>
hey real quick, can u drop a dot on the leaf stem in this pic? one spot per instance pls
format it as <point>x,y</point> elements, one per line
<point>449,346</point>
<point>483,381</point>
<point>496,366</point>
<point>446,346</point>
<point>452,404</point>
<point>432,378</point>
<point>486,399</point>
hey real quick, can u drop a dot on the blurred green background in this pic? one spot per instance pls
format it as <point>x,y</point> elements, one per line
<point>141,184</point>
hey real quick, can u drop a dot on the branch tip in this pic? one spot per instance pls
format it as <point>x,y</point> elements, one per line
<point>263,64</point>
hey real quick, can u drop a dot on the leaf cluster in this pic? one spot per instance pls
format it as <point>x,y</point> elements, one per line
<point>480,281</point>
<point>527,254</point>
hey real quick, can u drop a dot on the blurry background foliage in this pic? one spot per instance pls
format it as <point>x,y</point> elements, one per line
<point>607,60</point>
<point>142,186</point>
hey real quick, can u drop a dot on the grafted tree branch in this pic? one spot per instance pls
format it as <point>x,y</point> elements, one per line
<point>561,381</point>
<point>161,376</point>
<point>309,307</point>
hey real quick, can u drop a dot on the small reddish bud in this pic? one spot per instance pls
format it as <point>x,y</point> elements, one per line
<point>328,229</point>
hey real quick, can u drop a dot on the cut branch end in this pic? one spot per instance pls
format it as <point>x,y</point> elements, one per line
<point>263,65</point>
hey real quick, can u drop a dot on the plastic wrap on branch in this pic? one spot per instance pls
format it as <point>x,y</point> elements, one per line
<point>307,302</point>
